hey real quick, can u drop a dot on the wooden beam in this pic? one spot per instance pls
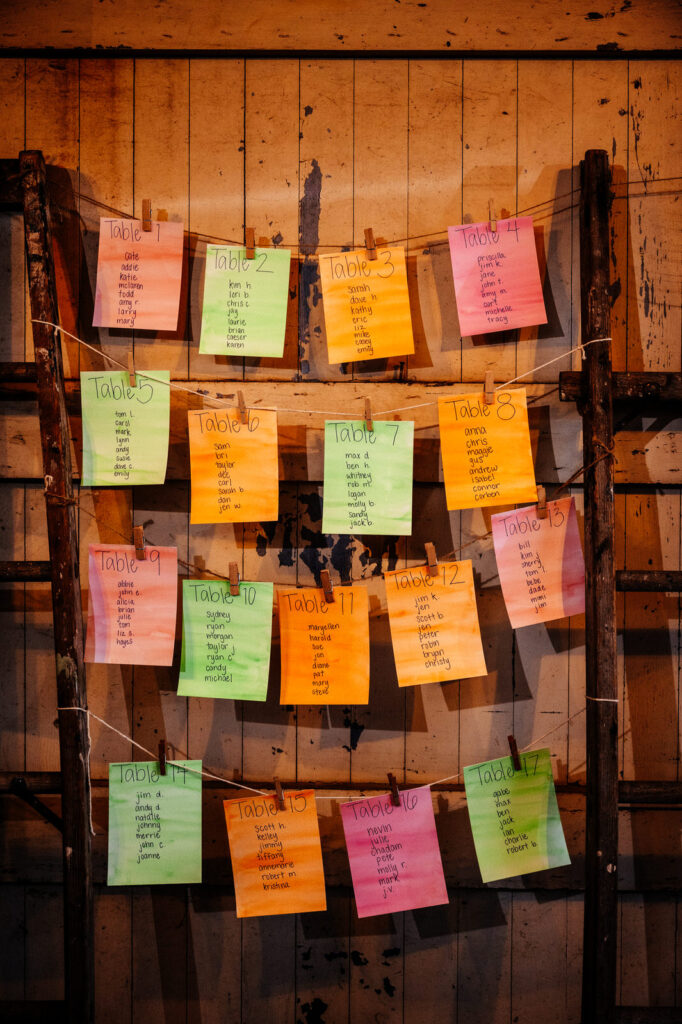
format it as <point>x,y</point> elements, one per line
<point>627,387</point>
<point>601,844</point>
<point>25,572</point>
<point>658,581</point>
<point>649,1015</point>
<point>66,595</point>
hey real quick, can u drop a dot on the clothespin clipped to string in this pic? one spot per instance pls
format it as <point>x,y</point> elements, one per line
<point>395,792</point>
<point>234,579</point>
<point>369,423</point>
<point>162,757</point>
<point>516,760</point>
<point>327,585</point>
<point>131,370</point>
<point>542,502</point>
<point>250,243</point>
<point>146,214</point>
<point>243,413</point>
<point>370,244</point>
<point>431,558</point>
<point>492,218</point>
<point>138,541</point>
<point>489,388</point>
<point>280,794</point>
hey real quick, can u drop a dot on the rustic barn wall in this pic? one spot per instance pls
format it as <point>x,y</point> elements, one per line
<point>311,151</point>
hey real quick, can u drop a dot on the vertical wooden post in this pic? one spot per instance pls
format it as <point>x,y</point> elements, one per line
<point>601,878</point>
<point>66,596</point>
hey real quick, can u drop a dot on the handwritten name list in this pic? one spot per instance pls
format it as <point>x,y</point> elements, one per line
<point>226,640</point>
<point>233,466</point>
<point>434,624</point>
<point>496,275</point>
<point>368,477</point>
<point>366,305</point>
<point>132,606</point>
<point>514,816</point>
<point>245,302</point>
<point>138,275</point>
<point>486,451</point>
<point>276,854</point>
<point>154,823</point>
<point>394,856</point>
<point>325,646</point>
<point>540,562</point>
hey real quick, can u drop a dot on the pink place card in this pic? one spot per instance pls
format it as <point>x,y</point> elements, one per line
<point>497,279</point>
<point>540,562</point>
<point>132,607</point>
<point>394,856</point>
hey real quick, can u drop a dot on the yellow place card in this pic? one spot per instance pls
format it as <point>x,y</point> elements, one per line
<point>487,458</point>
<point>366,305</point>
<point>325,646</point>
<point>276,854</point>
<point>434,624</point>
<point>233,466</point>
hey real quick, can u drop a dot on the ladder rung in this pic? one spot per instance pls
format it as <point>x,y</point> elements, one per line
<point>646,580</point>
<point>25,572</point>
<point>649,793</point>
<point>649,1014</point>
<point>17,373</point>
<point>627,387</point>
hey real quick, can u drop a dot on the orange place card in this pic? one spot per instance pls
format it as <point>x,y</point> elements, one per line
<point>138,275</point>
<point>325,646</point>
<point>540,561</point>
<point>434,624</point>
<point>233,466</point>
<point>486,450</point>
<point>132,607</point>
<point>366,305</point>
<point>276,854</point>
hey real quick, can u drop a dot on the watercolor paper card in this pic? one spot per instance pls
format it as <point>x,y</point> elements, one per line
<point>154,823</point>
<point>138,275</point>
<point>540,562</point>
<point>394,856</point>
<point>245,302</point>
<point>276,854</point>
<point>368,477</point>
<point>366,305</point>
<point>125,429</point>
<point>434,623</point>
<point>325,646</point>
<point>486,451</point>
<point>497,278</point>
<point>133,605</point>
<point>226,640</point>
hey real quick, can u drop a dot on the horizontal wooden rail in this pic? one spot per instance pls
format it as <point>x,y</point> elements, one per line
<point>33,1011</point>
<point>661,581</point>
<point>25,572</point>
<point>649,1015</point>
<point>627,387</point>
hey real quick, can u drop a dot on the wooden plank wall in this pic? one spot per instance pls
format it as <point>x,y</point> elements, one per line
<point>310,152</point>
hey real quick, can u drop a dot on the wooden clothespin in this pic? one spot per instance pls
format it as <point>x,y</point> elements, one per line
<point>368,415</point>
<point>370,244</point>
<point>492,219</point>
<point>199,563</point>
<point>250,243</point>
<point>162,757</point>
<point>395,793</point>
<point>542,502</point>
<point>131,369</point>
<point>516,760</point>
<point>327,585</point>
<point>138,541</point>
<point>431,558</point>
<point>489,388</point>
<point>280,794</point>
<point>146,214</point>
<point>234,579</point>
<point>243,413</point>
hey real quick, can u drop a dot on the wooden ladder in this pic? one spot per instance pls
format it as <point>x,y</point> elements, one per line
<point>595,389</point>
<point>23,188</point>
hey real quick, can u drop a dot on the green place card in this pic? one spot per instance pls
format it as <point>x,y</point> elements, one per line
<point>125,429</point>
<point>154,823</point>
<point>245,302</point>
<point>368,477</point>
<point>514,816</point>
<point>225,640</point>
